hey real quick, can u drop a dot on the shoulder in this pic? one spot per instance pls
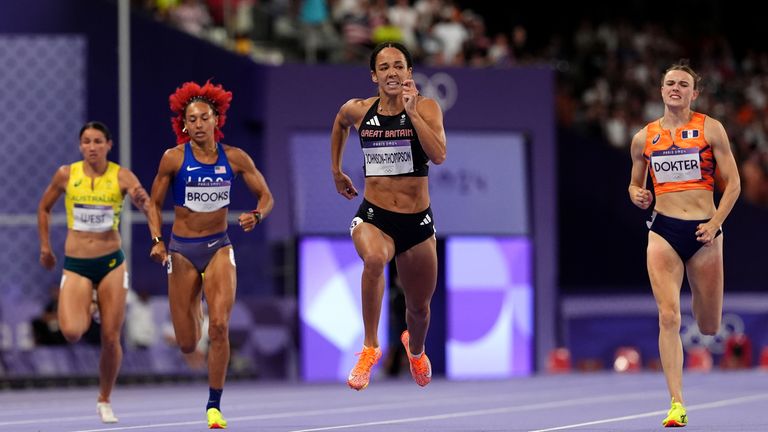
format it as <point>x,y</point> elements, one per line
<point>61,177</point>
<point>357,106</point>
<point>353,111</point>
<point>236,156</point>
<point>172,160</point>
<point>714,131</point>
<point>428,105</point>
<point>712,124</point>
<point>639,139</point>
<point>231,151</point>
<point>126,177</point>
<point>641,135</point>
<point>123,171</point>
<point>428,102</point>
<point>173,153</point>
<point>63,171</point>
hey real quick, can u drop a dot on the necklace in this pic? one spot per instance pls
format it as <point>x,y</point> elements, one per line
<point>386,112</point>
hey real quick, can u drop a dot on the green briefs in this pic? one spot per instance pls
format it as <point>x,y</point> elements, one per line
<point>94,268</point>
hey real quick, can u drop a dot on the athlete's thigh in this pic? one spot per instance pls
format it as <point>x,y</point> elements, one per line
<point>112,293</point>
<point>705,276</point>
<point>220,283</point>
<point>184,290</point>
<point>417,270</point>
<point>665,270</point>
<point>75,297</point>
<point>370,240</point>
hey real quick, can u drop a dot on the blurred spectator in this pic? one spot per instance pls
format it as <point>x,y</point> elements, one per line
<point>319,37</point>
<point>406,19</point>
<point>755,176</point>
<point>608,70</point>
<point>161,8</point>
<point>452,35</point>
<point>140,329</point>
<point>196,360</point>
<point>500,53</point>
<point>46,326</point>
<point>386,32</point>
<point>190,16</point>
<point>356,33</point>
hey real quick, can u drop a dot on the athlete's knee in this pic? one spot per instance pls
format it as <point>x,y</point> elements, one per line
<point>72,332</point>
<point>72,336</point>
<point>188,347</point>
<point>110,340</point>
<point>669,318</point>
<point>374,263</point>
<point>709,327</point>
<point>218,330</point>
<point>187,344</point>
<point>418,311</point>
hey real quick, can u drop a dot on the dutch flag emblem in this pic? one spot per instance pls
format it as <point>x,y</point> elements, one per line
<point>690,133</point>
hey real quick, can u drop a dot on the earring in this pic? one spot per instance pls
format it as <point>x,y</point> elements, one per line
<point>184,129</point>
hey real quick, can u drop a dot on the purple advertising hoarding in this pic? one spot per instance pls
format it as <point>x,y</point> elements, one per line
<point>331,322</point>
<point>490,307</point>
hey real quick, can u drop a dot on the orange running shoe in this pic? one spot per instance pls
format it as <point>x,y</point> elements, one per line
<point>360,375</point>
<point>421,368</point>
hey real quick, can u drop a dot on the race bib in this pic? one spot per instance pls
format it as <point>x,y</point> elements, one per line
<point>386,158</point>
<point>206,197</point>
<point>92,218</point>
<point>676,165</point>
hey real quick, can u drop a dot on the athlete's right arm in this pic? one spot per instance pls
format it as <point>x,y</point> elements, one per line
<point>52,193</point>
<point>349,114</point>
<point>639,195</point>
<point>169,164</point>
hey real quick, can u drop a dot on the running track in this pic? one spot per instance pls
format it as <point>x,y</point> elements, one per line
<point>717,401</point>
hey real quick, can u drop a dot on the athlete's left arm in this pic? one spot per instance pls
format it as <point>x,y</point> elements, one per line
<point>130,184</point>
<point>242,164</point>
<point>427,119</point>
<point>729,172</point>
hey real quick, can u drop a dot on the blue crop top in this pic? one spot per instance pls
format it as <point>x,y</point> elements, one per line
<point>203,187</point>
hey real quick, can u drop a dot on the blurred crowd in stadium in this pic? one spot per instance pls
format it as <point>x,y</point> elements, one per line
<point>608,71</point>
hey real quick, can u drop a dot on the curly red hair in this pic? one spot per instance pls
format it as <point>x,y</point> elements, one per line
<point>213,94</point>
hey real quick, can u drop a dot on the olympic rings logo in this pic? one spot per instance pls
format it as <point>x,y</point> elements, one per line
<point>441,87</point>
<point>692,337</point>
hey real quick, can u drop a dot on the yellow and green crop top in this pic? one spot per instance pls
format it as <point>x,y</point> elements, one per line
<point>93,205</point>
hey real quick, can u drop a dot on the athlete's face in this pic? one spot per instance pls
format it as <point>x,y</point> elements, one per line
<point>391,71</point>
<point>677,89</point>
<point>200,122</point>
<point>94,145</point>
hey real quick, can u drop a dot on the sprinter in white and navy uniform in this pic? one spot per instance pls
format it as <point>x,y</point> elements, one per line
<point>400,133</point>
<point>200,258</point>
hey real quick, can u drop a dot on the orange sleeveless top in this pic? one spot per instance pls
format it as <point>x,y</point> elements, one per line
<point>682,160</point>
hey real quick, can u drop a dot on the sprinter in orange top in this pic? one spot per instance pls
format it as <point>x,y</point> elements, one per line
<point>681,150</point>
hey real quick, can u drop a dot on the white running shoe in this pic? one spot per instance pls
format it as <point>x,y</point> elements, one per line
<point>104,409</point>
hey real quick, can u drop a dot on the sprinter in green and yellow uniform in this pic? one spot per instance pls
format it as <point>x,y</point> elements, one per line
<point>94,267</point>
